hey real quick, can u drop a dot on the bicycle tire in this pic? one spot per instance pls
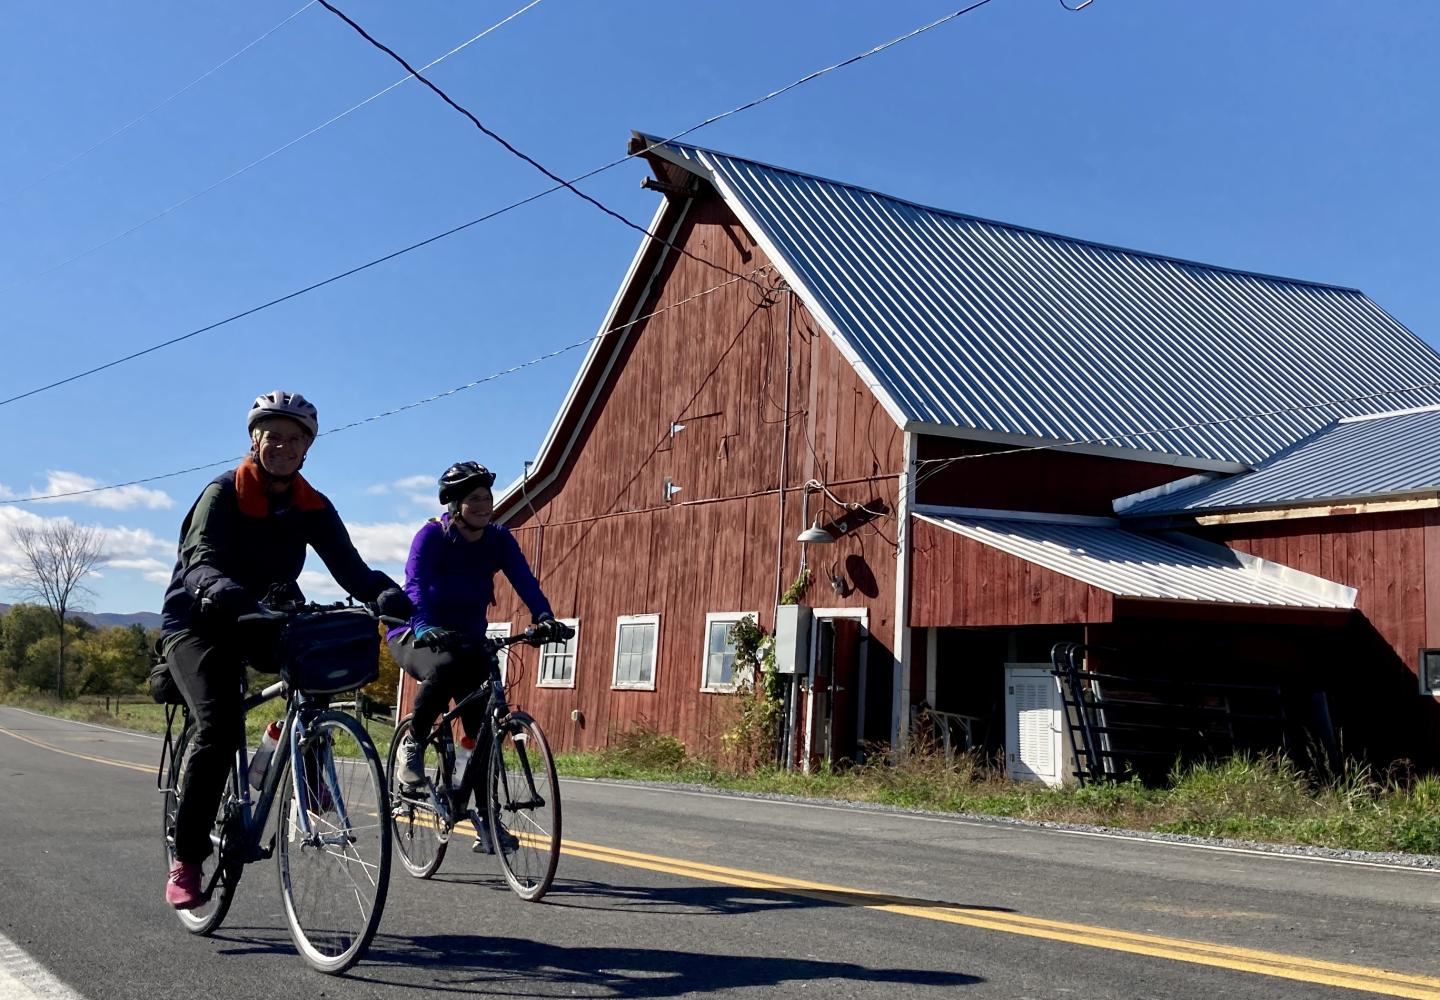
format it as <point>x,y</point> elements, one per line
<point>333,882</point>
<point>416,831</point>
<point>206,919</point>
<point>524,799</point>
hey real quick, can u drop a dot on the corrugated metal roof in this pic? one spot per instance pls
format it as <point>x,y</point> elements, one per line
<point>1369,457</point>
<point>960,322</point>
<point>1160,566</point>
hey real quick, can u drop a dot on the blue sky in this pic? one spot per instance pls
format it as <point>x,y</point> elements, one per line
<point>1293,137</point>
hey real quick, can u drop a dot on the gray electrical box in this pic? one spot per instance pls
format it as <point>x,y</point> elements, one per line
<point>792,638</point>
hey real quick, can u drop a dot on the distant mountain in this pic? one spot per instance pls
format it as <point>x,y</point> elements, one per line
<point>110,619</point>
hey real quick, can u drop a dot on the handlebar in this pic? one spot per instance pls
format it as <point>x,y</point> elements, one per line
<point>457,641</point>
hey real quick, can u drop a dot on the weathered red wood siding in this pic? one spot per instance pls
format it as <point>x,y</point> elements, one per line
<point>603,541</point>
<point>1393,561</point>
<point>997,477</point>
<point>959,582</point>
<point>1381,555</point>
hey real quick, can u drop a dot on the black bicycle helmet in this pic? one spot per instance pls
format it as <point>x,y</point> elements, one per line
<point>462,479</point>
<point>290,405</point>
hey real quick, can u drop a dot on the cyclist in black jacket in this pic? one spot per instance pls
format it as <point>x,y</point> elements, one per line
<point>245,536</point>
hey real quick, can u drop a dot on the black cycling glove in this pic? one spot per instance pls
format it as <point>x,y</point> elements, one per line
<point>392,602</point>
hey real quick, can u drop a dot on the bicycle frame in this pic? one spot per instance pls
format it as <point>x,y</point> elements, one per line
<point>253,808</point>
<point>440,736</point>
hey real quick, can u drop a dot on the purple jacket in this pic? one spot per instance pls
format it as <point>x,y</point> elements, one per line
<point>451,581</point>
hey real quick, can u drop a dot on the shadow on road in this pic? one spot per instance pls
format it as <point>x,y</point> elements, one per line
<point>475,964</point>
<point>693,900</point>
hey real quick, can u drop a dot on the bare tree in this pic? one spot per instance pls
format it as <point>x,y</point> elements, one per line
<point>58,556</point>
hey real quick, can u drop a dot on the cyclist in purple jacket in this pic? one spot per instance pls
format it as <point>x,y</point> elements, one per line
<point>449,577</point>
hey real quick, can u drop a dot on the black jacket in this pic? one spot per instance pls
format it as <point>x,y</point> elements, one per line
<point>237,532</point>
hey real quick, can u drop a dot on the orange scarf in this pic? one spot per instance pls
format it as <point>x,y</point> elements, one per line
<point>250,487</point>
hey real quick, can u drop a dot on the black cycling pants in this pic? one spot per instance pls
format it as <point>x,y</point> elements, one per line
<point>209,675</point>
<point>444,677</point>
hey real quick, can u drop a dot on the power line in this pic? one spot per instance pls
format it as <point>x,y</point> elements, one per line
<point>609,331</point>
<point>510,147</point>
<point>256,162</point>
<point>500,211</point>
<point>144,115</point>
<point>936,464</point>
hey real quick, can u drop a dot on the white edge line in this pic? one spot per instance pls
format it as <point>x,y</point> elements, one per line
<point>23,978</point>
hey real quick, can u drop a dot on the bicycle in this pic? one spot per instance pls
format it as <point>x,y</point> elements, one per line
<point>330,839</point>
<point>521,792</point>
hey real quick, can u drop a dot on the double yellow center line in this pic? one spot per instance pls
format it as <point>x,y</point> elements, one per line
<point>1265,963</point>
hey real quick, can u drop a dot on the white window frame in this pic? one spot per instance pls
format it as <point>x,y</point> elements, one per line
<point>620,622</point>
<point>713,618</point>
<point>572,650</point>
<point>1433,689</point>
<point>500,630</point>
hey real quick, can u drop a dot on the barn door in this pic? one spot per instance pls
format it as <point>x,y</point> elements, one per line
<point>836,689</point>
<point>844,689</point>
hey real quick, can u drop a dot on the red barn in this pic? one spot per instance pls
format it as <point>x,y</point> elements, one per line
<point>1009,444</point>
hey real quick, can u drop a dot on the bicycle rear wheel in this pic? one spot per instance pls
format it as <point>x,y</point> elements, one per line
<point>523,806</point>
<point>205,919</point>
<point>333,877</point>
<point>418,833</point>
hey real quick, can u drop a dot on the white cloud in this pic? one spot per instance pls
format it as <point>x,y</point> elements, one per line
<point>134,543</point>
<point>123,548</point>
<point>11,562</point>
<point>318,586</point>
<point>120,498</point>
<point>386,543</point>
<point>417,490</point>
<point>406,484</point>
<point>383,546</point>
<point>153,570</point>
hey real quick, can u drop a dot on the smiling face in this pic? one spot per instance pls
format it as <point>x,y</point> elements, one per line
<point>280,446</point>
<point>478,507</point>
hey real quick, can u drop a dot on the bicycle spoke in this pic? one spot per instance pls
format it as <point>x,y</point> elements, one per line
<point>524,807</point>
<point>333,877</point>
<point>418,832</point>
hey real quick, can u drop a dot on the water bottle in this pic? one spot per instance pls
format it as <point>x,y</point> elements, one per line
<point>261,760</point>
<point>463,750</point>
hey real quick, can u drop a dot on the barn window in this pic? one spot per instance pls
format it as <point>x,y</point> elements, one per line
<point>557,659</point>
<point>636,638</point>
<point>717,672</point>
<point>1430,671</point>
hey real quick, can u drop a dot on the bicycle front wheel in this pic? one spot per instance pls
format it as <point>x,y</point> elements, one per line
<point>523,806</point>
<point>206,918</point>
<point>417,830</point>
<point>333,842</point>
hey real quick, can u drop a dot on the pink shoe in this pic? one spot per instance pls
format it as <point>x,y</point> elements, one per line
<point>182,888</point>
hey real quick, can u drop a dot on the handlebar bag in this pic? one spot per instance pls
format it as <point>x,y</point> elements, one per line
<point>330,652</point>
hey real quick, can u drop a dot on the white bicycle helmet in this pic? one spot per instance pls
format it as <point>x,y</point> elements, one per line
<point>290,405</point>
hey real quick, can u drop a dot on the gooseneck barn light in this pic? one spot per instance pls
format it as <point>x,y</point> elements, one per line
<point>815,535</point>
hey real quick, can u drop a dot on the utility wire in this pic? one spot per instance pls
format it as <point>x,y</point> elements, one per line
<point>609,331</point>
<point>256,162</point>
<point>501,211</point>
<point>934,465</point>
<point>510,147</point>
<point>141,117</point>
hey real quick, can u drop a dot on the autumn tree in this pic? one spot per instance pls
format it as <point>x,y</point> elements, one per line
<point>56,558</point>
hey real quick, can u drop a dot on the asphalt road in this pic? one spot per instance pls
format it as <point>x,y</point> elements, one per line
<point>666,893</point>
